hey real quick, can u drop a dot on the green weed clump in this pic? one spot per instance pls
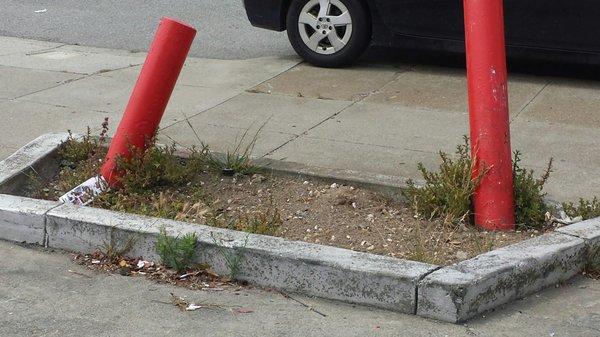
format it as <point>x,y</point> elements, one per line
<point>447,193</point>
<point>178,253</point>
<point>530,207</point>
<point>236,162</point>
<point>159,166</point>
<point>587,209</point>
<point>81,157</point>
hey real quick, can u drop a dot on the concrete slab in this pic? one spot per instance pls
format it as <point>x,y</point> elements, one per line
<point>445,89</point>
<point>70,59</point>
<point>395,140</point>
<point>576,163</point>
<point>38,119</point>
<point>13,45</point>
<point>461,291</point>
<point>292,115</point>
<point>223,126</point>
<point>27,81</point>
<point>110,91</point>
<point>350,84</point>
<point>233,74</point>
<point>567,102</point>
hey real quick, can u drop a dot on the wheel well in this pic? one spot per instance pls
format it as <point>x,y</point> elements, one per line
<point>285,6</point>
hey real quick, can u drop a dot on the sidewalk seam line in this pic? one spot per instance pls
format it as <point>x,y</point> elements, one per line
<point>304,133</point>
<point>531,100</point>
<point>272,77</point>
<point>47,70</point>
<point>42,51</point>
<point>71,81</point>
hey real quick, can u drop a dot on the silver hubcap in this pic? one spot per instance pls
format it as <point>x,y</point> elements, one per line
<point>325,26</point>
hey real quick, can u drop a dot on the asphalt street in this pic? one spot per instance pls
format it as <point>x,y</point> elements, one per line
<point>224,31</point>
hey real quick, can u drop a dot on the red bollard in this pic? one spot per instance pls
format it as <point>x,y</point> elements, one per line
<point>151,93</point>
<point>488,113</point>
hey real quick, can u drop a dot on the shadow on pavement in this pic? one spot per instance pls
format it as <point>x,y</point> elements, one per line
<point>383,55</point>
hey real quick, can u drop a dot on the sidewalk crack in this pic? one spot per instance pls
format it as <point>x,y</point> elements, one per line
<point>419,282</point>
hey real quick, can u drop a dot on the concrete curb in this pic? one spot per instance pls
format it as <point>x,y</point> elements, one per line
<point>267,261</point>
<point>461,291</point>
<point>452,293</point>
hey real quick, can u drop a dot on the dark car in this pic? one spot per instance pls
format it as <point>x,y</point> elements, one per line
<point>333,33</point>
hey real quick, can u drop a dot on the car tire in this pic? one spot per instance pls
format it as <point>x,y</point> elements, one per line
<point>329,37</point>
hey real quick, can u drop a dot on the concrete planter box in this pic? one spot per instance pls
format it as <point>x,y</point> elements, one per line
<point>453,293</point>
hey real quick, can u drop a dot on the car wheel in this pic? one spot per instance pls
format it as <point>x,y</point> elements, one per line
<point>329,33</point>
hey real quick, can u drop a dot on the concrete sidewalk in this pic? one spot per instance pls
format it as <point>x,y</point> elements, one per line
<point>44,294</point>
<point>378,118</point>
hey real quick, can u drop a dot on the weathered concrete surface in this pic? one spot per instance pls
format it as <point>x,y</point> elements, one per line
<point>86,229</point>
<point>589,231</point>
<point>305,268</point>
<point>74,59</point>
<point>572,102</point>
<point>444,89</point>
<point>42,293</point>
<point>13,45</point>
<point>461,291</point>
<point>41,118</point>
<point>15,82</point>
<point>380,133</point>
<point>393,147</point>
<point>23,219</point>
<point>284,118</point>
<point>35,154</point>
<point>331,84</point>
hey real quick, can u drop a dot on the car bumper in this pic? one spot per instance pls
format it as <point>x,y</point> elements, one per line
<point>268,14</point>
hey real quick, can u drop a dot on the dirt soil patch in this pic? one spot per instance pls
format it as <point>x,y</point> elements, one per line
<point>332,214</point>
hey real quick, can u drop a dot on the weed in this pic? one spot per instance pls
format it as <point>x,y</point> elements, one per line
<point>482,244</point>
<point>419,251</point>
<point>178,253</point>
<point>261,222</point>
<point>158,166</point>
<point>530,207</point>
<point>113,250</point>
<point>81,158</point>
<point>233,257</point>
<point>446,194</point>
<point>587,209</point>
<point>237,162</point>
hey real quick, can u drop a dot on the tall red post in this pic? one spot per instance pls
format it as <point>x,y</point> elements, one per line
<point>488,113</point>
<point>151,93</point>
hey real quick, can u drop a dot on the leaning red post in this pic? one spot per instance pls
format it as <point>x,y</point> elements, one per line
<point>151,94</point>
